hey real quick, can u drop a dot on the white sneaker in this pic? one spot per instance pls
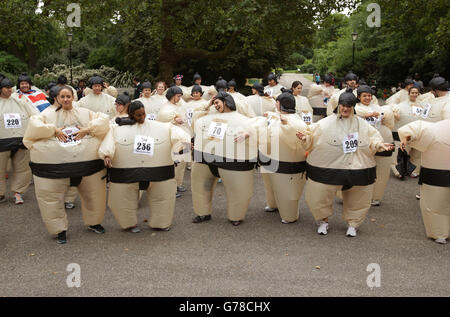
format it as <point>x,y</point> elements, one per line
<point>19,199</point>
<point>441,241</point>
<point>375,203</point>
<point>323,228</point>
<point>351,232</point>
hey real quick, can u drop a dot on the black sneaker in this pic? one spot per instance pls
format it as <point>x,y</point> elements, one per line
<point>2,199</point>
<point>97,229</point>
<point>61,239</point>
<point>199,219</point>
<point>162,229</point>
<point>178,195</point>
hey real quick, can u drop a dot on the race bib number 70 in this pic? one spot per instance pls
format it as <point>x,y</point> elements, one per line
<point>217,130</point>
<point>350,142</point>
<point>144,145</point>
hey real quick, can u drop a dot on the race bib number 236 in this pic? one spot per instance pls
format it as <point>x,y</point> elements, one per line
<point>144,145</point>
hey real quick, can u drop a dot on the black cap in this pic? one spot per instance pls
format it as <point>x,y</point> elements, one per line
<point>94,80</point>
<point>272,76</point>
<point>123,99</point>
<point>259,88</point>
<point>328,79</point>
<point>146,84</point>
<point>196,88</point>
<point>227,98</point>
<point>232,83</point>
<point>351,76</point>
<point>172,91</point>
<point>347,99</point>
<point>24,77</point>
<point>364,88</point>
<point>62,80</point>
<point>5,82</point>
<point>221,84</point>
<point>438,83</point>
<point>196,77</point>
<point>287,101</point>
<point>50,85</point>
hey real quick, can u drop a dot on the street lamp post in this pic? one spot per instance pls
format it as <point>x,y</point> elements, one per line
<point>354,38</point>
<point>69,37</point>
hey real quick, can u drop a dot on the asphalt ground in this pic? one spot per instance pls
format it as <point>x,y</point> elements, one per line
<point>261,257</point>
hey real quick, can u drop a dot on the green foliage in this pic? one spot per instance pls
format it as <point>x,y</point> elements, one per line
<point>103,56</point>
<point>413,37</point>
<point>307,69</point>
<point>81,72</point>
<point>11,64</point>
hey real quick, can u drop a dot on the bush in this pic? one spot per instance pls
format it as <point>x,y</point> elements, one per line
<point>81,72</point>
<point>297,59</point>
<point>307,68</point>
<point>103,56</point>
<point>11,64</point>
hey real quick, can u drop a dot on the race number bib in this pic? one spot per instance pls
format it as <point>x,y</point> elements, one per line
<point>189,115</point>
<point>217,130</point>
<point>144,145</point>
<point>70,137</point>
<point>350,143</point>
<point>426,111</point>
<point>417,111</point>
<point>307,117</point>
<point>12,120</point>
<point>151,116</point>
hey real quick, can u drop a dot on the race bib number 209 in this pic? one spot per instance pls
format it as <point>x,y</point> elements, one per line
<point>350,143</point>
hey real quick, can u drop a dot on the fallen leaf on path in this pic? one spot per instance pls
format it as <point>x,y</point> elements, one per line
<point>318,267</point>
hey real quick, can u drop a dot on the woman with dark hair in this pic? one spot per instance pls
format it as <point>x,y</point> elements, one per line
<point>63,144</point>
<point>341,157</point>
<point>16,115</point>
<point>406,112</point>
<point>138,153</point>
<point>123,101</point>
<point>302,106</point>
<point>221,150</point>
<point>381,118</point>
<point>401,95</point>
